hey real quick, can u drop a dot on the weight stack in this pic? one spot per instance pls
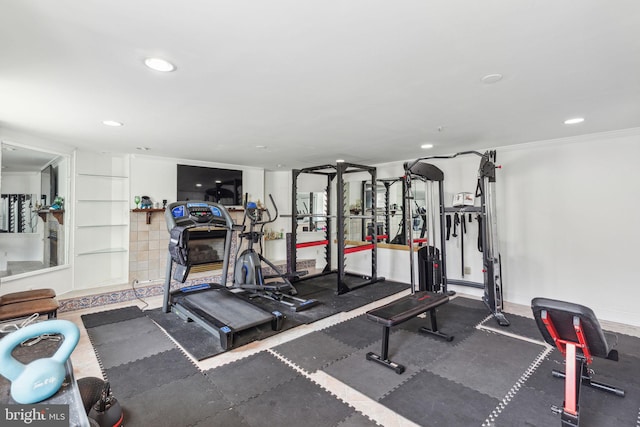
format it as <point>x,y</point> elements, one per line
<point>429,269</point>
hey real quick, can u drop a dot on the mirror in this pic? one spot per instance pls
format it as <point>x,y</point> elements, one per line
<point>33,186</point>
<point>389,205</point>
<point>311,206</point>
<point>360,204</point>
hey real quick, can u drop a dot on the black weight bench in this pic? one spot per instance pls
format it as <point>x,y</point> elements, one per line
<point>400,311</point>
<point>576,332</point>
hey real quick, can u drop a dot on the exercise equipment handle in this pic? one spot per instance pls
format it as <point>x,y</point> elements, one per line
<point>275,208</point>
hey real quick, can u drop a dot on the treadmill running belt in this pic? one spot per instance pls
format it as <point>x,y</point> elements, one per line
<point>226,308</point>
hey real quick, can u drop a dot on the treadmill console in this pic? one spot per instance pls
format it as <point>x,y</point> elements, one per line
<point>197,213</point>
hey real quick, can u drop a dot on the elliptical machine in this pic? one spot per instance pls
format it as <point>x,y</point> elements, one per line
<point>248,274</point>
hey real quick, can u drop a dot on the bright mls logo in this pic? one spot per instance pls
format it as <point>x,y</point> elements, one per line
<point>34,415</point>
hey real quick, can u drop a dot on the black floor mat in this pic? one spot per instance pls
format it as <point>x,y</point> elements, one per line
<point>415,349</point>
<point>126,341</point>
<point>481,362</point>
<point>358,332</point>
<point>246,378</point>
<point>314,351</point>
<point>358,420</point>
<point>518,325</point>
<point>430,400</point>
<point>111,316</point>
<point>183,402</point>
<point>369,378</point>
<point>121,330</point>
<point>145,374</point>
<point>230,417</point>
<point>455,319</point>
<point>457,383</point>
<point>282,406</point>
<point>531,406</point>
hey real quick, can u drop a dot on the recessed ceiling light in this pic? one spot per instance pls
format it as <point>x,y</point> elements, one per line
<point>143,148</point>
<point>339,160</point>
<point>261,147</point>
<point>426,146</point>
<point>574,121</point>
<point>280,165</point>
<point>159,64</point>
<point>218,181</point>
<point>198,185</point>
<point>111,123</point>
<point>491,78</point>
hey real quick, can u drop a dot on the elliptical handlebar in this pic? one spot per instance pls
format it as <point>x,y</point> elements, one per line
<point>275,207</point>
<point>254,212</point>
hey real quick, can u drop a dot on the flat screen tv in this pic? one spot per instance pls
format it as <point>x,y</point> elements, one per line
<point>222,186</point>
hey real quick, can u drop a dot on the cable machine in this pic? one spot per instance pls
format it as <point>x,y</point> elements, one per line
<point>488,239</point>
<point>336,172</point>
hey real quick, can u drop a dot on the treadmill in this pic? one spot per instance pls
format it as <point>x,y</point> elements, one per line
<point>212,306</point>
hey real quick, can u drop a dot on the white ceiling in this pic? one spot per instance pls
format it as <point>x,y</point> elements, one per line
<point>368,81</point>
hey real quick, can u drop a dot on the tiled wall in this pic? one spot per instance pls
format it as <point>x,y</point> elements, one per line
<point>147,247</point>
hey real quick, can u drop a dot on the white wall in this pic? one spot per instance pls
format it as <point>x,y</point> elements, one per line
<point>567,217</point>
<point>278,184</point>
<point>20,183</point>
<point>22,247</point>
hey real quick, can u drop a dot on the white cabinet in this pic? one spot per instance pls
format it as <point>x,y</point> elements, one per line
<point>101,243</point>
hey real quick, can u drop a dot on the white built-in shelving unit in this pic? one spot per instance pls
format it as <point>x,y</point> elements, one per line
<point>101,243</point>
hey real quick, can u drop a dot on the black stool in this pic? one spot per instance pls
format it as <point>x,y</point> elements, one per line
<point>400,311</point>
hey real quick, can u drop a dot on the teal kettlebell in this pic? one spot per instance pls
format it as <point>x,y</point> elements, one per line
<point>41,378</point>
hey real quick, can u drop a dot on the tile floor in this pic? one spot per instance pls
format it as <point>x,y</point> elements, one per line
<point>86,364</point>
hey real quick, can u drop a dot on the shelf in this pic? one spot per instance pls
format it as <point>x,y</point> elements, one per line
<point>101,225</point>
<point>102,200</point>
<point>148,211</point>
<point>57,214</point>
<point>101,175</point>
<point>103,251</point>
<point>463,209</point>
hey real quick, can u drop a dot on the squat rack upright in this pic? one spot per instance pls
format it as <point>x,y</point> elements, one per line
<point>336,172</point>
